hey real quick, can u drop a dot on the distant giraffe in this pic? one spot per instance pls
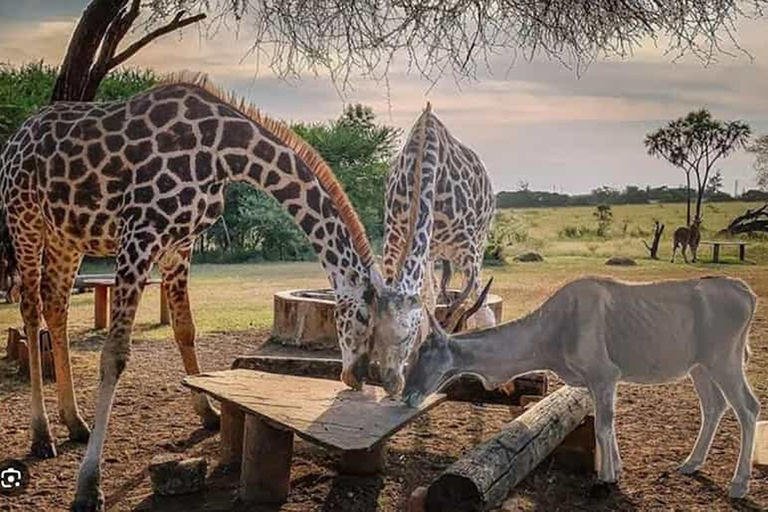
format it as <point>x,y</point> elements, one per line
<point>687,238</point>
<point>140,179</point>
<point>439,206</point>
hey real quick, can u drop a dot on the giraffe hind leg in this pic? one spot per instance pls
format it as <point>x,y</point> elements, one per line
<point>175,271</point>
<point>58,276</point>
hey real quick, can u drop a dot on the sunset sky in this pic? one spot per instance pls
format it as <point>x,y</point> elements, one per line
<point>538,122</point>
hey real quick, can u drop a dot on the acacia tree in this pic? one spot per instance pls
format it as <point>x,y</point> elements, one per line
<point>760,149</point>
<point>694,143</point>
<point>434,37</point>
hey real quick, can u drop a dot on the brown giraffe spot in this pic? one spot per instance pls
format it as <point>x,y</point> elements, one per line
<point>149,170</point>
<point>138,129</point>
<point>187,196</point>
<point>284,163</point>
<point>236,134</point>
<point>136,153</point>
<point>97,228</point>
<point>290,191</point>
<point>163,113</point>
<point>303,172</point>
<point>165,183</point>
<point>236,163</point>
<point>47,146</point>
<point>208,130</point>
<point>293,209</point>
<point>77,169</point>
<point>58,167</point>
<point>113,168</point>
<point>254,172</point>
<point>114,142</point>
<point>272,179</point>
<point>86,129</point>
<point>168,204</point>
<point>264,151</point>
<point>61,130</point>
<point>179,165</point>
<point>214,210</point>
<point>143,195</point>
<point>69,148</point>
<point>179,137</point>
<point>114,122</point>
<point>96,154</point>
<point>170,92</point>
<point>196,109</point>
<point>313,198</point>
<point>183,218</point>
<point>308,223</point>
<point>139,106</point>
<point>203,165</point>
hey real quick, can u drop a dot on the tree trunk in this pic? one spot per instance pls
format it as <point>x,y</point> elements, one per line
<point>654,247</point>
<point>688,198</point>
<point>73,82</point>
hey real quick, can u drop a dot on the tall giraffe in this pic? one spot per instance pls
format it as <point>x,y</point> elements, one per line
<point>439,205</point>
<point>140,179</point>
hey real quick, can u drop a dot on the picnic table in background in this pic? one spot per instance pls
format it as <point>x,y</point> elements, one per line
<point>102,285</point>
<point>716,248</point>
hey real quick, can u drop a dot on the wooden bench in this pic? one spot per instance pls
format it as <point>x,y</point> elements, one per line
<point>261,412</point>
<point>716,249</point>
<point>102,285</point>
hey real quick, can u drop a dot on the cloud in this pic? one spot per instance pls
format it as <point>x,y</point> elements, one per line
<point>536,120</point>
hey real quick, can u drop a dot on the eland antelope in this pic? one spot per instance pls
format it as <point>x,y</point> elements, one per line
<point>597,332</point>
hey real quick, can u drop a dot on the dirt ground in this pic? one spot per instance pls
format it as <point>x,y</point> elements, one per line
<point>153,414</point>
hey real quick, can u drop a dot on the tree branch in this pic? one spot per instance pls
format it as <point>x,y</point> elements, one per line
<point>177,23</point>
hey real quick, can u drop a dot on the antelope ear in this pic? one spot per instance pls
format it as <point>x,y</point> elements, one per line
<point>377,280</point>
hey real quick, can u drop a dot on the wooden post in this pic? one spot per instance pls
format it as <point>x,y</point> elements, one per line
<point>101,300</point>
<point>265,474</point>
<point>232,425</point>
<point>165,316</point>
<point>760,458</point>
<point>364,462</point>
<point>483,478</point>
<point>742,252</point>
<point>716,253</point>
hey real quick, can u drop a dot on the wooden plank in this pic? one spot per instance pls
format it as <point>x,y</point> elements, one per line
<point>265,474</point>
<point>165,315</point>
<point>364,462</point>
<point>324,412</point>
<point>710,242</point>
<point>101,306</point>
<point>484,477</point>
<point>464,389</point>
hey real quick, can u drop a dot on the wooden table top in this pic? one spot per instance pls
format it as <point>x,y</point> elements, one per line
<point>717,242</point>
<point>324,412</point>
<point>102,280</point>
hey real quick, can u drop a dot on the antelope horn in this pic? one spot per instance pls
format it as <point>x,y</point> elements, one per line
<point>473,308</point>
<point>415,199</point>
<point>454,305</point>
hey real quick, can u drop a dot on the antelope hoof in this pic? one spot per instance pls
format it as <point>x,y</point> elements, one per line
<point>88,504</point>
<point>43,448</point>
<point>79,431</point>
<point>739,489</point>
<point>688,467</point>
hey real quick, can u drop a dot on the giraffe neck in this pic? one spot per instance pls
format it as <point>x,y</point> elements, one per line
<point>268,164</point>
<point>416,259</point>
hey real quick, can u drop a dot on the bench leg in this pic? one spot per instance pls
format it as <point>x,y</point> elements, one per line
<point>232,425</point>
<point>742,252</point>
<point>716,253</point>
<point>364,462</point>
<point>101,298</point>
<point>265,474</point>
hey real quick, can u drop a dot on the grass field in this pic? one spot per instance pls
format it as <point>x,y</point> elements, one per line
<point>545,230</point>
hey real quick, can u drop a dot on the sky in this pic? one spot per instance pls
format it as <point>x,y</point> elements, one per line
<point>536,122</point>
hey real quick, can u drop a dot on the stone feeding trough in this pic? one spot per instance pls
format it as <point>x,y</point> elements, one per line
<point>304,318</point>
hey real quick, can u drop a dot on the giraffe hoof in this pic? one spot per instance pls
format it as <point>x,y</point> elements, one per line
<point>88,504</point>
<point>79,431</point>
<point>43,449</point>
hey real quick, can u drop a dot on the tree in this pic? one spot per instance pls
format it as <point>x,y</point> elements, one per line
<point>604,216</point>
<point>93,49</point>
<point>714,184</point>
<point>760,150</point>
<point>653,247</point>
<point>434,38</point>
<point>694,143</point>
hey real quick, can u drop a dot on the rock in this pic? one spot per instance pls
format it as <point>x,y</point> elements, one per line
<point>527,257</point>
<point>171,474</point>
<point>621,261</point>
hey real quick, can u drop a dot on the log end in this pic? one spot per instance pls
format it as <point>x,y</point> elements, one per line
<point>453,493</point>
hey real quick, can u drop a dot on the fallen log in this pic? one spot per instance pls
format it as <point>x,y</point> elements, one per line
<point>484,477</point>
<point>465,389</point>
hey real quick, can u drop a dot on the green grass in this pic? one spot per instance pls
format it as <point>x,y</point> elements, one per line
<point>229,298</point>
<point>631,225</point>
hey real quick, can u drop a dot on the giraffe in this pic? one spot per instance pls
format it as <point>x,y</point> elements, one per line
<point>139,180</point>
<point>439,206</point>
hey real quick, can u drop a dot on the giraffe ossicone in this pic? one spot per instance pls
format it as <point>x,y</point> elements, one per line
<point>139,180</point>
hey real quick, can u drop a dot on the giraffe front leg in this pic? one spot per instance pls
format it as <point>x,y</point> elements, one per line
<point>175,271</point>
<point>58,276</point>
<point>132,275</point>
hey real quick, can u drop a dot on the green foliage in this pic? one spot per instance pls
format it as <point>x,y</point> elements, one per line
<point>25,89</point>
<point>508,229</point>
